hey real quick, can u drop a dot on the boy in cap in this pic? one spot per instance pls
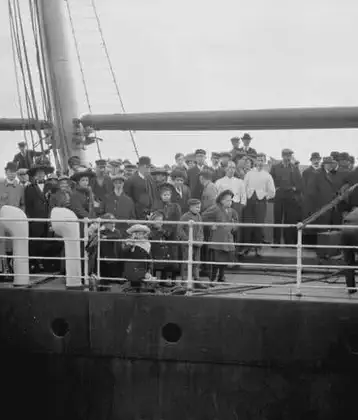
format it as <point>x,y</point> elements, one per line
<point>198,236</point>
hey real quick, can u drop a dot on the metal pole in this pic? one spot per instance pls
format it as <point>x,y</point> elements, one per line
<point>86,279</point>
<point>299,260</point>
<point>252,119</point>
<point>52,17</point>
<point>190,256</point>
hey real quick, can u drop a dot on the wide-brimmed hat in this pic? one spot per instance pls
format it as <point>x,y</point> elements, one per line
<point>138,228</point>
<point>159,171</point>
<point>87,173</point>
<point>178,173</point>
<point>286,152</point>
<point>118,177</point>
<point>166,187</point>
<point>47,168</point>
<point>11,166</point>
<point>315,155</point>
<point>246,136</point>
<point>328,159</point>
<point>222,194</point>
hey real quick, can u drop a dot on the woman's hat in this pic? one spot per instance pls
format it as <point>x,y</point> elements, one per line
<point>178,173</point>
<point>138,228</point>
<point>87,173</point>
<point>159,171</point>
<point>166,187</point>
<point>11,166</point>
<point>223,194</point>
<point>42,164</point>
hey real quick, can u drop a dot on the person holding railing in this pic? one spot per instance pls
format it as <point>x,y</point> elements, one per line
<point>222,237</point>
<point>198,236</point>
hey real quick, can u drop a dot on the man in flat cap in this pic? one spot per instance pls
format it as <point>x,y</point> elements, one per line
<point>215,161</point>
<point>193,174</point>
<point>288,199</point>
<point>101,185</point>
<point>25,158</point>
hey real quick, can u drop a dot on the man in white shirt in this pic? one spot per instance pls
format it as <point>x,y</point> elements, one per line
<point>236,185</point>
<point>259,187</point>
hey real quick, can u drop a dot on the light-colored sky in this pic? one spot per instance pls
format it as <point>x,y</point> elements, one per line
<point>172,55</point>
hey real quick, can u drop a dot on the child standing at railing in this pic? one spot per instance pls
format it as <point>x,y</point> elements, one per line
<point>198,236</point>
<point>137,248</point>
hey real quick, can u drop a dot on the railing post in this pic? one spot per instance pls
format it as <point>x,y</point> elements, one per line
<point>190,255</point>
<point>99,249</point>
<point>299,259</point>
<point>85,240</point>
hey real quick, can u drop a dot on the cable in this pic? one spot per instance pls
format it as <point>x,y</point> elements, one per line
<point>16,71</point>
<point>81,68</point>
<point>99,26</point>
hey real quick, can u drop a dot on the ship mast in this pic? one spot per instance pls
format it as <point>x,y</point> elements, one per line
<point>56,51</point>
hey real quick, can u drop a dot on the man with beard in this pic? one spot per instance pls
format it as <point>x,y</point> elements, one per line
<point>310,172</point>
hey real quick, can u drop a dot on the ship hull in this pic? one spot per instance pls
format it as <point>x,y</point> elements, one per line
<point>80,355</point>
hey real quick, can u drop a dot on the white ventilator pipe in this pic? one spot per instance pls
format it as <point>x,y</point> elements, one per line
<point>18,227</point>
<point>69,230</point>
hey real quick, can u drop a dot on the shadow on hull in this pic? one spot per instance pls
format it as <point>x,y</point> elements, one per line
<point>103,356</point>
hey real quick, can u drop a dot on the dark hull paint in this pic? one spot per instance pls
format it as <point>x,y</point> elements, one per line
<point>235,359</point>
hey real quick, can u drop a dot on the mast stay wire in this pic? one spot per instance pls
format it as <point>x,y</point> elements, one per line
<point>81,68</point>
<point>32,91</point>
<point>99,26</point>
<point>17,76</point>
<point>15,37</point>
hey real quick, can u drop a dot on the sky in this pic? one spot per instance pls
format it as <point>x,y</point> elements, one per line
<point>186,55</point>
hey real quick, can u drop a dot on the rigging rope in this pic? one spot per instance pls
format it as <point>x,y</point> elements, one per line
<point>16,73</point>
<point>99,26</point>
<point>32,91</point>
<point>15,37</point>
<point>81,68</point>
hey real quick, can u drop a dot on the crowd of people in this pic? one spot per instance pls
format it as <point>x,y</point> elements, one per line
<point>234,186</point>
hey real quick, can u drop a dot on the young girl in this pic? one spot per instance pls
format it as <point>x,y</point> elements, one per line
<point>137,248</point>
<point>220,213</point>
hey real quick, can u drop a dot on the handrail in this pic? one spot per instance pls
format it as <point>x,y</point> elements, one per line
<point>299,266</point>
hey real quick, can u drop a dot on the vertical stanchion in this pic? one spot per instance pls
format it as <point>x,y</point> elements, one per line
<point>190,255</point>
<point>99,249</point>
<point>85,239</point>
<point>299,260</point>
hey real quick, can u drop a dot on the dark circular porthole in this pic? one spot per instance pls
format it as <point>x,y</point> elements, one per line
<point>60,327</point>
<point>171,333</point>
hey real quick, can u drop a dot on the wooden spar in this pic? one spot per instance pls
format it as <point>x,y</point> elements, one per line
<point>19,124</point>
<point>261,119</point>
<point>53,25</point>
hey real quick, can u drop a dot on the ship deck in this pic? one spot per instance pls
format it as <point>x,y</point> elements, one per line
<point>258,282</point>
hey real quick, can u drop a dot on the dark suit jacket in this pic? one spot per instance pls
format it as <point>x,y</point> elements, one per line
<point>36,206</point>
<point>141,191</point>
<point>250,151</point>
<point>282,183</point>
<point>183,199</point>
<point>307,176</point>
<point>194,183</point>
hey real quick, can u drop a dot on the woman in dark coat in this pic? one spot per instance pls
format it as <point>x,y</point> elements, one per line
<point>62,196</point>
<point>81,202</point>
<point>221,213</point>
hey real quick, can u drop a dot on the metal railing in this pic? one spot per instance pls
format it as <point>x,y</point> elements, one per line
<point>88,231</point>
